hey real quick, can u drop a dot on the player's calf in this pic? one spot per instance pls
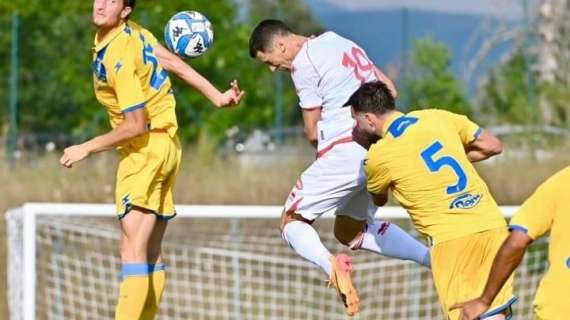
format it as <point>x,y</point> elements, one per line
<point>305,241</point>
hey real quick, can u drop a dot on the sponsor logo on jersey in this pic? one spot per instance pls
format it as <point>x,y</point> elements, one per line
<point>465,201</point>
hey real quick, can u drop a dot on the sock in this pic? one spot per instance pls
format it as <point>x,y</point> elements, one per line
<point>157,281</point>
<point>304,240</point>
<point>390,240</point>
<point>133,291</point>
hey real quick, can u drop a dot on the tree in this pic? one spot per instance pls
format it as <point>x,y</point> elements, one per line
<point>505,96</point>
<point>430,82</point>
<point>55,77</point>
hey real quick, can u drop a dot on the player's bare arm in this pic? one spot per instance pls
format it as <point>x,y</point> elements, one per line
<point>173,63</point>
<point>387,81</point>
<point>484,147</point>
<point>134,125</point>
<point>310,118</point>
<point>508,258</point>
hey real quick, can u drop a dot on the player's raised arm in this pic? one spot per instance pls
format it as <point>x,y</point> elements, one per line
<point>484,146</point>
<point>176,65</point>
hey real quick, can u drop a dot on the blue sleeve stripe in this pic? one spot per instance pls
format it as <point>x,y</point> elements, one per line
<point>138,269</point>
<point>135,107</point>
<point>477,133</point>
<point>514,227</point>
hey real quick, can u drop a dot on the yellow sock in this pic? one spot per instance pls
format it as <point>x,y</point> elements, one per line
<point>157,280</point>
<point>133,292</point>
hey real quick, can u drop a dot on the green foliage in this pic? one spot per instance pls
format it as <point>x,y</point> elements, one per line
<point>557,110</point>
<point>506,94</point>
<point>55,76</point>
<point>430,83</point>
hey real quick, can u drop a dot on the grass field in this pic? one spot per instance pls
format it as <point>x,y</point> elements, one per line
<point>209,179</point>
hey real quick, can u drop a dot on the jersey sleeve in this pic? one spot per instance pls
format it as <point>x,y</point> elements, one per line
<point>149,37</point>
<point>377,173</point>
<point>468,130</point>
<point>126,83</point>
<point>306,79</point>
<point>536,215</point>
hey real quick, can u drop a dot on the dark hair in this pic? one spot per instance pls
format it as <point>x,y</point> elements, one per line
<point>373,97</point>
<point>130,3</point>
<point>263,34</point>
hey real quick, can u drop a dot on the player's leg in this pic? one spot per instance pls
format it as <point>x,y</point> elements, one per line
<point>305,241</point>
<point>355,227</point>
<point>157,272</point>
<point>322,188</point>
<point>166,211</point>
<point>300,235</point>
<point>137,228</point>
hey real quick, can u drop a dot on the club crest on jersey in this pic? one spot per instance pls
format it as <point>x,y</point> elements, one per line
<point>465,201</point>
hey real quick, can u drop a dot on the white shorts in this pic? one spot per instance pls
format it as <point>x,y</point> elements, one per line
<point>335,183</point>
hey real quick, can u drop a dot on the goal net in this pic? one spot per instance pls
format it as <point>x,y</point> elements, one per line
<point>223,262</point>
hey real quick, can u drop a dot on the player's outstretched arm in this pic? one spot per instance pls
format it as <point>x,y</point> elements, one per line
<point>173,63</point>
<point>484,147</point>
<point>508,258</point>
<point>134,124</point>
<point>387,81</point>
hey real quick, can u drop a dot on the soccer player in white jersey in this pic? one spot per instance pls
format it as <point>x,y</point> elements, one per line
<point>326,70</point>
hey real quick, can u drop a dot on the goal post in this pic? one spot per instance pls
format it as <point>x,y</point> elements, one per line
<point>223,262</point>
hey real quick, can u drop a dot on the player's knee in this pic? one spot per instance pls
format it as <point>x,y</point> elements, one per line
<point>347,230</point>
<point>288,217</point>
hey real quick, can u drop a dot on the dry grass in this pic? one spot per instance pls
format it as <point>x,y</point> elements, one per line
<point>209,179</point>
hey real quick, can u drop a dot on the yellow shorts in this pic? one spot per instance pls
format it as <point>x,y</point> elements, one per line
<point>147,173</point>
<point>461,267</point>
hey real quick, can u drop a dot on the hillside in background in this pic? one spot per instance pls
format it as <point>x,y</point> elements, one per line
<point>386,34</point>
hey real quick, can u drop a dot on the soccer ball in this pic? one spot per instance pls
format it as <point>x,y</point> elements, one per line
<point>189,34</point>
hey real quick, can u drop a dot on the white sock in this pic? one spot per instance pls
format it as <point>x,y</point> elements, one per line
<point>304,240</point>
<point>390,240</point>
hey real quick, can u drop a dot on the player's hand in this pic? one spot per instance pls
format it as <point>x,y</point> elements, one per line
<point>231,97</point>
<point>471,310</point>
<point>73,154</point>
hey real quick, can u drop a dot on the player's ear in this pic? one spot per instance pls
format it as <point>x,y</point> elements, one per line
<point>370,119</point>
<point>280,44</point>
<point>126,12</point>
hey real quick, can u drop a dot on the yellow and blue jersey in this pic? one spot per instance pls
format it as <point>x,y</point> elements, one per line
<point>422,159</point>
<point>127,76</point>
<point>548,210</point>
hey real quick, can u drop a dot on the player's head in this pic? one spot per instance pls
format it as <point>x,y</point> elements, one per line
<point>272,42</point>
<point>369,104</point>
<point>110,13</point>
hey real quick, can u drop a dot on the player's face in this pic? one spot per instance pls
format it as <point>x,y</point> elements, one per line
<point>278,58</point>
<point>366,126</point>
<point>109,13</point>
<point>274,60</point>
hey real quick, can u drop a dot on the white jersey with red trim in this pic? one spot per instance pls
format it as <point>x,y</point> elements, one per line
<point>326,72</point>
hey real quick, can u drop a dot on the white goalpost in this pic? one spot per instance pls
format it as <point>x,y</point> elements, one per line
<point>223,262</point>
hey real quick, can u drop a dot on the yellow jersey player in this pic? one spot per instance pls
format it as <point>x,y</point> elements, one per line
<point>425,158</point>
<point>546,210</point>
<point>131,81</point>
